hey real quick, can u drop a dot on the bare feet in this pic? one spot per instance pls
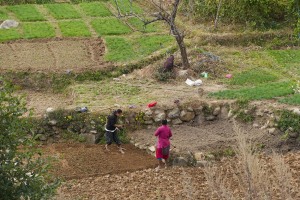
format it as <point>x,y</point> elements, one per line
<point>106,148</point>
<point>121,150</point>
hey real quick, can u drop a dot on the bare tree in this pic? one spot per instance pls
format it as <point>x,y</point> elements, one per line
<point>167,12</point>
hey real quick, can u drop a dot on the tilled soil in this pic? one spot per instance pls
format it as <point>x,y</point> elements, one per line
<point>208,136</point>
<point>52,55</point>
<point>171,183</point>
<point>74,161</point>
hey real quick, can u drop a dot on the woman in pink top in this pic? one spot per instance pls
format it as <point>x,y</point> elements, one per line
<point>163,134</point>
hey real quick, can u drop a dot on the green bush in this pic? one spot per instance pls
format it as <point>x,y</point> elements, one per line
<point>287,120</point>
<point>254,13</point>
<point>23,172</point>
<point>163,76</point>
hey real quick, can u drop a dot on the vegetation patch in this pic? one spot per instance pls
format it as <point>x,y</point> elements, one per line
<point>26,12</point>
<point>95,9</point>
<point>126,8</point>
<point>289,121</point>
<point>139,25</point>
<point>265,91</point>
<point>3,14</point>
<point>119,49</point>
<point>63,11</point>
<point>292,100</point>
<point>149,44</point>
<point>110,26</point>
<point>253,77</point>
<point>74,28</point>
<point>38,30</point>
<point>9,34</point>
<point>122,49</point>
<point>286,57</point>
<point>105,93</point>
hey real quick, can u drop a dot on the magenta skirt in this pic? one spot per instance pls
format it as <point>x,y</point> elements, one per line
<point>162,153</point>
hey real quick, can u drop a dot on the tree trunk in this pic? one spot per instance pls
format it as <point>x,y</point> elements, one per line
<point>218,14</point>
<point>184,57</point>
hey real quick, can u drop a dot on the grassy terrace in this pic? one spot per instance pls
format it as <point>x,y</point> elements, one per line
<point>125,38</point>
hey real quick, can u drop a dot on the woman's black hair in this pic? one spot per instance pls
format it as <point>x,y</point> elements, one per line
<point>164,122</point>
<point>118,111</point>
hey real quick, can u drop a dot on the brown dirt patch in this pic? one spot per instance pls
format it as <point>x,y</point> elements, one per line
<point>52,55</point>
<point>75,161</point>
<point>40,101</point>
<point>208,137</point>
<point>172,183</point>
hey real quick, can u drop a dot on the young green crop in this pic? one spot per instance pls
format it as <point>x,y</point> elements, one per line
<point>63,11</point>
<point>26,12</point>
<point>110,26</point>
<point>74,29</point>
<point>95,9</point>
<point>38,30</point>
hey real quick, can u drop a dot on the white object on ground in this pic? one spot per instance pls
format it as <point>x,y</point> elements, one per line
<point>193,83</point>
<point>7,24</point>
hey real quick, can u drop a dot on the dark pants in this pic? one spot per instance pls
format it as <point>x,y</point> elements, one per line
<point>112,137</point>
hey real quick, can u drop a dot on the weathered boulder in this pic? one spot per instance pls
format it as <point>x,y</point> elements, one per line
<point>49,110</point>
<point>217,111</point>
<point>7,24</point>
<point>187,116</point>
<point>159,116</point>
<point>294,134</point>
<point>174,113</point>
<point>210,118</point>
<point>52,122</point>
<point>89,138</point>
<point>182,73</point>
<point>148,122</point>
<point>201,163</point>
<point>296,111</point>
<point>176,121</point>
<point>180,162</point>
<point>271,130</point>
<point>199,156</point>
<point>198,110</point>
<point>152,148</point>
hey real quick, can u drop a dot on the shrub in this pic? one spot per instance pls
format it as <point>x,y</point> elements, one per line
<point>163,76</point>
<point>252,176</point>
<point>23,173</point>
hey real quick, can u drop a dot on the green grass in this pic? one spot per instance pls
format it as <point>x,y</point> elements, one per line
<point>253,77</point>
<point>125,7</point>
<point>139,25</point>
<point>26,12</point>
<point>9,34</point>
<point>292,100</point>
<point>110,26</point>
<point>123,49</point>
<point>119,49</point>
<point>3,14</point>
<point>74,29</point>
<point>38,30</point>
<point>95,9</point>
<point>149,44</point>
<point>63,11</point>
<point>265,91</point>
<point>286,57</point>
